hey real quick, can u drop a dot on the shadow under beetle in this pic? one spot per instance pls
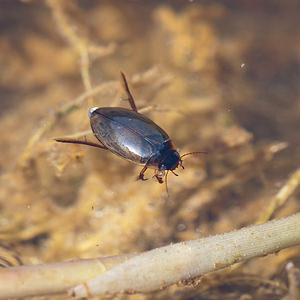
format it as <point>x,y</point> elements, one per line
<point>134,137</point>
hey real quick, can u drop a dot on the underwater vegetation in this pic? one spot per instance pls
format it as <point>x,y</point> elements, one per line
<point>218,78</point>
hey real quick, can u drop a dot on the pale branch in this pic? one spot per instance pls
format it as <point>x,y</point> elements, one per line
<point>153,269</point>
<point>55,278</point>
<point>167,265</point>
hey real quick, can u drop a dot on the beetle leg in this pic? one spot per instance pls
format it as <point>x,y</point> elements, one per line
<point>141,175</point>
<point>159,179</point>
<point>74,141</point>
<point>159,175</point>
<point>126,88</point>
<point>181,164</point>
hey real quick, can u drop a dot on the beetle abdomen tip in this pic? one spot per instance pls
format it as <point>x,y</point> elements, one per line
<point>92,110</point>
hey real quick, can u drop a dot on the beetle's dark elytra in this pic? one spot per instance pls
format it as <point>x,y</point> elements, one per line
<point>127,133</point>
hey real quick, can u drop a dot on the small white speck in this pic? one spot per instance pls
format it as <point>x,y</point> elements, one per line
<point>98,212</point>
<point>198,230</point>
<point>150,205</point>
<point>289,266</point>
<point>28,206</point>
<point>92,110</point>
<point>242,65</point>
<point>181,227</point>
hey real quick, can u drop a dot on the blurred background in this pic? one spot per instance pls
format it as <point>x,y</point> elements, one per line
<point>217,77</point>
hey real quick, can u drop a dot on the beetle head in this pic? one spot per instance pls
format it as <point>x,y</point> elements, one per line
<point>171,161</point>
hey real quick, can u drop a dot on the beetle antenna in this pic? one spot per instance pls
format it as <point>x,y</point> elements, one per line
<point>192,153</point>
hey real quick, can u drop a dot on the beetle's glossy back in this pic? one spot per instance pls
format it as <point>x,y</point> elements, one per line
<point>127,133</point>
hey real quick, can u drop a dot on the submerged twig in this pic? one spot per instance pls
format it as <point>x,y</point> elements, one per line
<point>164,266</point>
<point>81,45</point>
<point>294,282</point>
<point>154,269</point>
<point>53,118</point>
<point>281,197</point>
<point>53,278</point>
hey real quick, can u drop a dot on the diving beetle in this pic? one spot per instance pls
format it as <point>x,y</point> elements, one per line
<point>134,137</point>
